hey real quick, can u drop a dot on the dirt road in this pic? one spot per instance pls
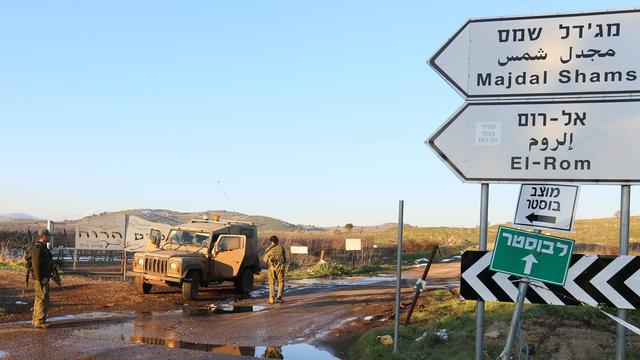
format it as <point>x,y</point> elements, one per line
<point>95,319</point>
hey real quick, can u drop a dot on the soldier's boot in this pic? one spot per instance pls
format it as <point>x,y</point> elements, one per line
<point>42,326</point>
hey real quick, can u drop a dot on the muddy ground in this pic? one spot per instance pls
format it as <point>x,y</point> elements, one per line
<point>106,319</point>
<point>96,318</point>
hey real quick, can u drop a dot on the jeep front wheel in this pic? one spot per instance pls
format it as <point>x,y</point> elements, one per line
<point>190,286</point>
<point>244,282</point>
<point>141,286</point>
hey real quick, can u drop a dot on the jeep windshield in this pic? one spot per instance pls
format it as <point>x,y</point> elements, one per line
<point>185,237</point>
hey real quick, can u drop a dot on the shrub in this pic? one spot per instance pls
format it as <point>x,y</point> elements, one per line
<point>327,270</point>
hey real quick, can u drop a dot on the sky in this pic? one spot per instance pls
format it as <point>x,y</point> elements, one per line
<point>313,112</point>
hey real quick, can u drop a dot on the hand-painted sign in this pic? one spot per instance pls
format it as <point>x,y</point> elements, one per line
<point>591,141</point>
<point>108,233</point>
<point>100,233</point>
<point>547,206</point>
<point>532,255</point>
<point>558,54</point>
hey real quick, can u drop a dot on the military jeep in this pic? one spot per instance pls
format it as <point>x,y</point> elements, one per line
<point>197,254</point>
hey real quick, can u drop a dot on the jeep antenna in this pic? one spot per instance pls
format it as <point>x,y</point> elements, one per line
<point>229,201</point>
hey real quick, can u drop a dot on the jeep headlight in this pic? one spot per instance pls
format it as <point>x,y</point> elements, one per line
<point>138,262</point>
<point>174,267</point>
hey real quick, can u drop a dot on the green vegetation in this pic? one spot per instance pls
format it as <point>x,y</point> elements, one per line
<point>444,310</point>
<point>11,264</point>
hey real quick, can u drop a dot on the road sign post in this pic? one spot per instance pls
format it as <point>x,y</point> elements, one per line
<point>553,56</point>
<point>515,319</point>
<point>532,255</point>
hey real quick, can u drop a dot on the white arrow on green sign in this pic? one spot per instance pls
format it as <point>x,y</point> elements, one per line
<point>532,255</point>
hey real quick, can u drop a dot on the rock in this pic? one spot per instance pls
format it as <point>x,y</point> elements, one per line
<point>493,334</point>
<point>421,337</point>
<point>385,339</point>
<point>442,334</point>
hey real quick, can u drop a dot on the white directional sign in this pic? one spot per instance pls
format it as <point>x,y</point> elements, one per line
<point>592,141</point>
<point>299,250</point>
<point>558,54</point>
<point>353,244</point>
<point>547,206</point>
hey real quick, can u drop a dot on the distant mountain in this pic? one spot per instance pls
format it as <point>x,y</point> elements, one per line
<point>176,217</point>
<point>17,216</point>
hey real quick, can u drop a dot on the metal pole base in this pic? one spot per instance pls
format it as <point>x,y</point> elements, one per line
<point>515,320</point>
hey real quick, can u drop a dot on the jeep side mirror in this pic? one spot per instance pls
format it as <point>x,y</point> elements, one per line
<point>156,237</point>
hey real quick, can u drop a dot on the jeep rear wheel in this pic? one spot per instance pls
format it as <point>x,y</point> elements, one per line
<point>190,285</point>
<point>141,286</point>
<point>244,282</point>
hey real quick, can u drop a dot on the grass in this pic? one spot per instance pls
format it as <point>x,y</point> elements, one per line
<point>446,311</point>
<point>11,264</point>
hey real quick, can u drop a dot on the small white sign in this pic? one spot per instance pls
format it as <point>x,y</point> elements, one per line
<point>299,250</point>
<point>547,206</point>
<point>353,244</point>
<point>488,133</point>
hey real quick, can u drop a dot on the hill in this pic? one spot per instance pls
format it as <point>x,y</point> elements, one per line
<point>176,217</point>
<point>17,216</point>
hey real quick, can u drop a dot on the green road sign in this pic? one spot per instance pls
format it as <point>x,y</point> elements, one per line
<point>532,255</point>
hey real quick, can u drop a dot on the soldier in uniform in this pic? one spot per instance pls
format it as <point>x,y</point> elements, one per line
<point>275,258</point>
<point>41,265</point>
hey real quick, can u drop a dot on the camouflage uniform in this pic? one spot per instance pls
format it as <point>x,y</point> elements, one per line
<point>275,258</point>
<point>41,263</point>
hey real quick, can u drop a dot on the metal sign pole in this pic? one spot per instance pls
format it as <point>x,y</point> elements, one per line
<point>396,329</point>
<point>484,225</point>
<point>625,199</point>
<point>515,319</point>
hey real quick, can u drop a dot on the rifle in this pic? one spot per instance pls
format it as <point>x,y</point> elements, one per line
<point>28,263</point>
<point>55,276</point>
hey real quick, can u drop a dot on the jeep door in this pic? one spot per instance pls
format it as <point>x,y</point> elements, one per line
<point>228,255</point>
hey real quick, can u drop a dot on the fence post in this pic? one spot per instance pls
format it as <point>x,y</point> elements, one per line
<point>124,248</point>
<point>396,329</point>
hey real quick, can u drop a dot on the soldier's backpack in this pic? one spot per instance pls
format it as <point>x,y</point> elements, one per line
<point>276,259</point>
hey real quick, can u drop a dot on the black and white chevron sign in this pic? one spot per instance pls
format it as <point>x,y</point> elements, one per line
<point>612,281</point>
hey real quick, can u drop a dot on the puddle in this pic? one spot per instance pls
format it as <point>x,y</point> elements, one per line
<point>126,332</point>
<point>96,315</point>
